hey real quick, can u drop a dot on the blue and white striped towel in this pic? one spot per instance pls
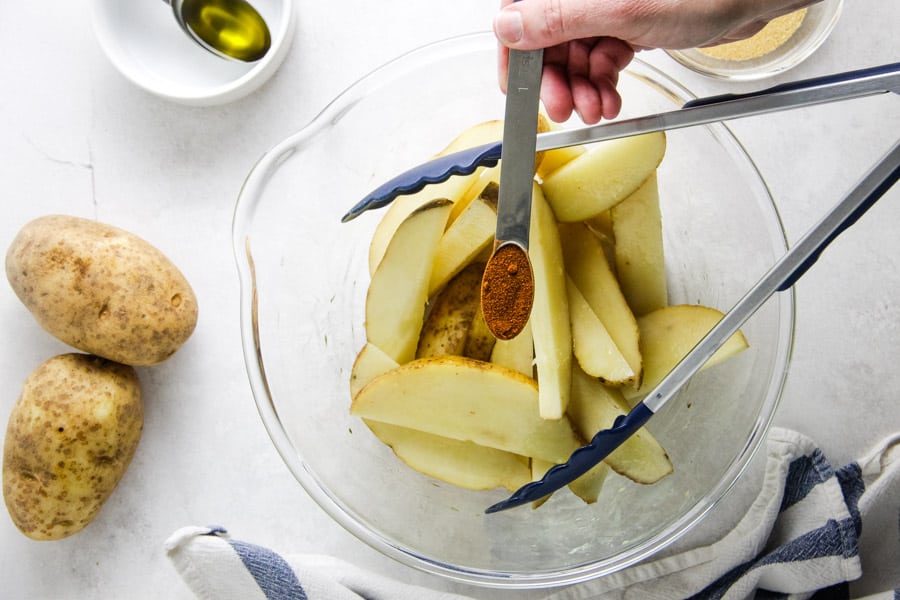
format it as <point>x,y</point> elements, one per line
<point>799,537</point>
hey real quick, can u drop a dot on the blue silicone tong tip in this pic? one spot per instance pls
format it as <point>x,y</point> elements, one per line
<point>580,462</point>
<point>464,162</point>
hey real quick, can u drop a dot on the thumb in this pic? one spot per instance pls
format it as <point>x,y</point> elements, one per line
<point>532,24</point>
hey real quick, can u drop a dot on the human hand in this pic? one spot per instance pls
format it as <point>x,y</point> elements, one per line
<point>588,42</point>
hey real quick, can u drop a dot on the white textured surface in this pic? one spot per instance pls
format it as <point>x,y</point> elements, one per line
<point>80,139</point>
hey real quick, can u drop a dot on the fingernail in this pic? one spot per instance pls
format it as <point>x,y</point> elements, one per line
<point>508,26</point>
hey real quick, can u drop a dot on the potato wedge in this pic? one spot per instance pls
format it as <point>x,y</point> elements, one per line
<point>464,239</point>
<point>450,316</point>
<point>554,159</point>
<point>590,272</point>
<point>638,250</point>
<point>467,400</point>
<point>594,348</point>
<point>464,464</point>
<point>369,364</point>
<point>550,313</point>
<point>395,303</point>
<point>603,176</point>
<point>516,353</point>
<point>587,487</point>
<point>488,179</point>
<point>476,135</point>
<point>594,407</point>
<point>453,189</point>
<point>668,334</point>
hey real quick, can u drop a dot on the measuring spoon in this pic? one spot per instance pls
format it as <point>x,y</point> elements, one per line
<point>230,29</point>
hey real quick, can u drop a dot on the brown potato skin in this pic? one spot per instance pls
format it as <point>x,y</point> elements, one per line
<point>69,439</point>
<point>101,289</point>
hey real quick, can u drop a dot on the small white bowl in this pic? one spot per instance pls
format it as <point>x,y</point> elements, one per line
<point>145,43</point>
<point>818,23</point>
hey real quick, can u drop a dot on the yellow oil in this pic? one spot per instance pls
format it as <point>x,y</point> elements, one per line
<point>232,27</point>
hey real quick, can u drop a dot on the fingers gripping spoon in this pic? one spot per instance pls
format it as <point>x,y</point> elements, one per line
<point>507,288</point>
<point>780,277</point>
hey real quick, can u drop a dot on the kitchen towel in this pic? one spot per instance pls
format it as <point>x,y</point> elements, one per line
<point>800,536</point>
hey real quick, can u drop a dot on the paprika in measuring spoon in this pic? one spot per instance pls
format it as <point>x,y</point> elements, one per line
<point>507,291</point>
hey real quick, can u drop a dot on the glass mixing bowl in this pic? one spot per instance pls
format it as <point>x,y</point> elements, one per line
<point>304,277</point>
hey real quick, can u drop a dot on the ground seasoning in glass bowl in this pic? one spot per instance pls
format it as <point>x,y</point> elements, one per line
<point>768,39</point>
<point>783,44</point>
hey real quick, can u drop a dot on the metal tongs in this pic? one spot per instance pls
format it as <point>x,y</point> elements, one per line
<point>786,271</point>
<point>806,92</point>
<point>782,276</point>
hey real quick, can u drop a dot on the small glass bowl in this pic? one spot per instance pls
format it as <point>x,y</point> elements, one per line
<point>304,275</point>
<point>817,25</point>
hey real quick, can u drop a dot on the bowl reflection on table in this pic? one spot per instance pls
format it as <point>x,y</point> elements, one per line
<point>304,276</point>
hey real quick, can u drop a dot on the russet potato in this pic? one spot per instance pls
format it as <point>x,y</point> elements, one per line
<point>101,289</point>
<point>70,438</point>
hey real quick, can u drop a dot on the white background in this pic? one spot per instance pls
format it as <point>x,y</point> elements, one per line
<point>78,138</point>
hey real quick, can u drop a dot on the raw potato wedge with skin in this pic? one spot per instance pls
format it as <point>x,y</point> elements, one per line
<point>450,316</point>
<point>516,353</point>
<point>467,400</point>
<point>587,487</point>
<point>369,364</point>
<point>603,176</point>
<point>395,303</point>
<point>453,189</point>
<point>587,265</point>
<point>488,178</point>
<point>594,349</point>
<point>669,333</point>
<point>595,407</point>
<point>638,250</point>
<point>464,464</point>
<point>459,463</point>
<point>550,325</point>
<point>480,341</point>
<point>464,239</point>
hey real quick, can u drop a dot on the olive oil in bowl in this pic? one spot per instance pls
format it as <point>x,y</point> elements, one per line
<point>232,28</point>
